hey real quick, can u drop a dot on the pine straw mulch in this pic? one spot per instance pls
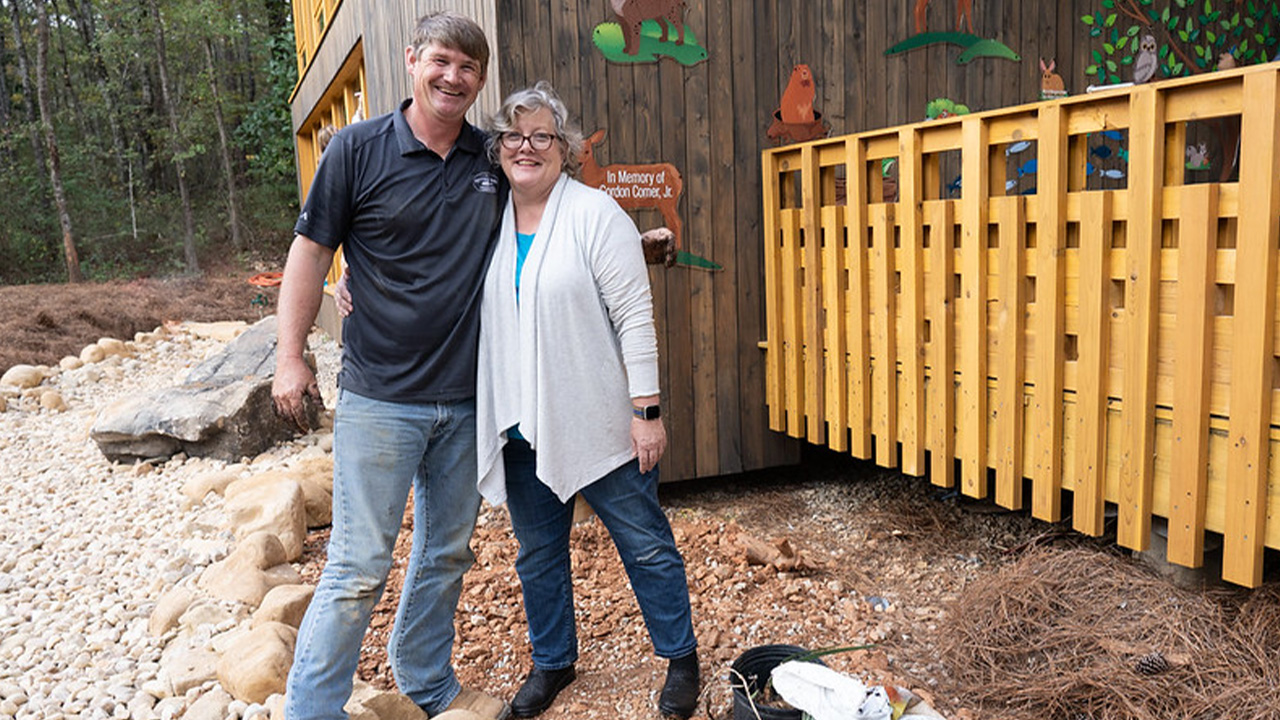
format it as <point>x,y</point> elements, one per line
<point>1063,633</point>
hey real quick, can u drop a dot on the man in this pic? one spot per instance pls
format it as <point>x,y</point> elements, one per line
<point>413,200</point>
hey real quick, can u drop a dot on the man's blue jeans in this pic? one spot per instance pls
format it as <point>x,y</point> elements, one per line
<point>627,502</point>
<point>380,450</point>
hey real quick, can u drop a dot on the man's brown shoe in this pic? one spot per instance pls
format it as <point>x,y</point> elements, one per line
<point>485,706</point>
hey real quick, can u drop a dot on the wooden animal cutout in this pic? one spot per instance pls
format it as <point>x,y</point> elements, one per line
<point>655,186</point>
<point>1051,85</point>
<point>632,14</point>
<point>1197,157</point>
<point>1147,62</point>
<point>796,120</point>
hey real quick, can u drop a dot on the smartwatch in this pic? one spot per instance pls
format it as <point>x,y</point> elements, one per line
<point>648,412</point>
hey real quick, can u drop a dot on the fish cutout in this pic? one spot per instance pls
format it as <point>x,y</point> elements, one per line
<point>1102,151</point>
<point>1113,174</point>
<point>1089,168</point>
<point>1016,148</point>
<point>1010,184</point>
<point>954,187</point>
<point>1029,168</point>
<point>1113,135</point>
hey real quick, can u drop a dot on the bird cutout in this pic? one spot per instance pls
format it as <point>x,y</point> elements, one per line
<point>1051,85</point>
<point>796,120</point>
<point>647,30</point>
<point>1147,61</point>
<point>1197,157</point>
<point>358,115</point>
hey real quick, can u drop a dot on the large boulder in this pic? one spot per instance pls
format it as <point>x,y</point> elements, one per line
<point>257,665</point>
<point>223,409</point>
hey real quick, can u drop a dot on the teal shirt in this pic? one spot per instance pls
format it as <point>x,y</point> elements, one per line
<point>524,241</point>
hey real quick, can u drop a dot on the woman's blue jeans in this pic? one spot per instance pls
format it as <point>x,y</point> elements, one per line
<point>381,449</point>
<point>627,502</point>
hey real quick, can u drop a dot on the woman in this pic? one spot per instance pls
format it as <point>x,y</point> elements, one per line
<point>567,399</point>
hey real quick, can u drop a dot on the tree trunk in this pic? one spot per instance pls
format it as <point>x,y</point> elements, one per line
<point>51,142</point>
<point>233,211</point>
<point>24,76</point>
<point>189,231</point>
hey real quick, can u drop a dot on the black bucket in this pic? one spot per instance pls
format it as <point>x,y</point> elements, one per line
<point>753,668</point>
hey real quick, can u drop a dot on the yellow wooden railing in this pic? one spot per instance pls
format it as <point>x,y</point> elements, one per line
<point>1049,298</point>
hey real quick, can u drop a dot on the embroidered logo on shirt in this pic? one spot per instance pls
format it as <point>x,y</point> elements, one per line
<point>485,182</point>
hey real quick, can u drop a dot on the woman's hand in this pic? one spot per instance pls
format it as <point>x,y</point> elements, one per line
<point>649,441</point>
<point>342,294</point>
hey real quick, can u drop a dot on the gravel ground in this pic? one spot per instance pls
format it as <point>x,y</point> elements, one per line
<point>86,547</point>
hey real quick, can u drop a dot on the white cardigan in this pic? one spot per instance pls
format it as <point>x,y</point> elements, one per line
<point>565,362</point>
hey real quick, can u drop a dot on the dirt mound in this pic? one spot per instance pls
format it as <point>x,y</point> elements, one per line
<point>41,324</point>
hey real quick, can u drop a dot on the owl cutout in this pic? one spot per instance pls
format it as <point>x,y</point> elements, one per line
<point>1147,61</point>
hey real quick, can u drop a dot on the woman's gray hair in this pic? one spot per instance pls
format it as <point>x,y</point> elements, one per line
<point>540,96</point>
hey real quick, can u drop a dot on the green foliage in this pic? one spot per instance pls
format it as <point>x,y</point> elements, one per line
<point>1192,35</point>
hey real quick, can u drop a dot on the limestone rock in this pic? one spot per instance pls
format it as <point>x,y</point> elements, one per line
<point>211,706</point>
<point>168,609</point>
<point>370,703</point>
<point>52,401</point>
<point>284,604</point>
<point>279,508</point>
<point>314,476</point>
<point>22,376</point>
<point>186,664</point>
<point>224,331</point>
<point>258,665</point>
<point>92,354</point>
<point>198,487</point>
<point>70,362</point>
<point>4,404</point>
<point>222,410</point>
<point>111,347</point>
<point>275,706</point>
<point>203,613</point>
<point>246,575</point>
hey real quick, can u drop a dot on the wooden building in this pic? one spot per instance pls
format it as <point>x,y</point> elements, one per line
<point>711,120</point>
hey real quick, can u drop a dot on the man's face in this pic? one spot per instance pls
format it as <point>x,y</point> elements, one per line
<point>445,81</point>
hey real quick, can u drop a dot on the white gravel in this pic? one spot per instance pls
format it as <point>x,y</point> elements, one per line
<point>87,546</point>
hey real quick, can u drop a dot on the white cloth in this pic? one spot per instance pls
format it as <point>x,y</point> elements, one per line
<point>565,362</point>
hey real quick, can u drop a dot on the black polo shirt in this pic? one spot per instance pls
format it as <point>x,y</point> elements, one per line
<point>417,231</point>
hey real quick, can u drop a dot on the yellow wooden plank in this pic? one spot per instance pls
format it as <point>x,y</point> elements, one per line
<point>972,333</point>
<point>1008,338</point>
<point>940,217</point>
<point>1253,342</point>
<point>1189,461</point>
<point>1146,174</point>
<point>884,376</point>
<point>811,226</point>
<point>792,324</point>
<point>834,298</point>
<point>858,320</point>
<point>1093,341</point>
<point>911,301</point>
<point>1046,417</point>
<point>774,353</point>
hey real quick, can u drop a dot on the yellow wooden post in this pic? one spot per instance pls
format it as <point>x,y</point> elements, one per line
<point>975,193</point>
<point>911,263</point>
<point>1094,342</point>
<point>793,365</point>
<point>834,299</point>
<point>1146,176</point>
<point>1253,336</point>
<point>859,354</point>
<point>942,402</point>
<point>884,376</point>
<point>1010,341</point>
<point>814,365</point>
<point>774,368</point>
<point>1051,231</point>
<point>1193,348</point>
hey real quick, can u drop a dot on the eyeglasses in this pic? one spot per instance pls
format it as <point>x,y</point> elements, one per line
<point>512,140</point>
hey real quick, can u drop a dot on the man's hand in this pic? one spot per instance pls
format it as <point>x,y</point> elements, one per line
<point>659,246</point>
<point>649,440</point>
<point>294,390</point>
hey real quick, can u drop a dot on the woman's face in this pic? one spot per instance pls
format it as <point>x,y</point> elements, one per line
<point>532,155</point>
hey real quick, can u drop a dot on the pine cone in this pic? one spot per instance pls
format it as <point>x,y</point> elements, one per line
<point>1153,663</point>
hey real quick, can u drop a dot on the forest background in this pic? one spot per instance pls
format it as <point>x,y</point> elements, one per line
<point>143,137</point>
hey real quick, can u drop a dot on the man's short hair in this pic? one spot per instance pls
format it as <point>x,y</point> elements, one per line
<point>454,31</point>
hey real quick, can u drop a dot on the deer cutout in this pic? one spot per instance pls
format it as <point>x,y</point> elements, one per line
<point>655,186</point>
<point>632,14</point>
<point>964,15</point>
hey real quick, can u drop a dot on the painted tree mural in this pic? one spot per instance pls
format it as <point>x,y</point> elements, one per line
<point>1191,36</point>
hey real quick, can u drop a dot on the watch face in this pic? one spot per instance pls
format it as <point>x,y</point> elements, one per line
<point>648,412</point>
